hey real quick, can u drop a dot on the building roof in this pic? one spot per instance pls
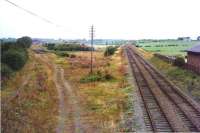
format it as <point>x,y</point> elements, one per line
<point>194,49</point>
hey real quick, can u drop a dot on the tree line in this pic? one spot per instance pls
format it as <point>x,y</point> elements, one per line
<point>67,47</point>
<point>14,55</point>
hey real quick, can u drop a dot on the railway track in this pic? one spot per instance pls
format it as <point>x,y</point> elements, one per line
<point>166,108</point>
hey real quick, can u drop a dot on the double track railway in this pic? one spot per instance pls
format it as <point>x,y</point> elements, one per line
<point>166,108</point>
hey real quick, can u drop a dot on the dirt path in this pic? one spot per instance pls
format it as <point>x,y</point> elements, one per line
<point>69,119</point>
<point>62,110</point>
<point>69,111</point>
<point>73,98</point>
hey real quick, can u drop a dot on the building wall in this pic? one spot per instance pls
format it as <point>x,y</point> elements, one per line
<point>193,61</point>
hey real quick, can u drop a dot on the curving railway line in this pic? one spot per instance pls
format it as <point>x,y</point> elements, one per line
<point>166,108</point>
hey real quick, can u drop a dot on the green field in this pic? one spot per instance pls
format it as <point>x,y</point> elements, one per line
<point>167,47</point>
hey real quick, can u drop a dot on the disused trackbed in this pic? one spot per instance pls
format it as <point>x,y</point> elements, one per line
<point>166,108</point>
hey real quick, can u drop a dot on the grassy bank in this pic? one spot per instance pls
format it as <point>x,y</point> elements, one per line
<point>29,100</point>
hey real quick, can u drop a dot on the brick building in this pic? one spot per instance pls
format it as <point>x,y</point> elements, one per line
<point>193,58</point>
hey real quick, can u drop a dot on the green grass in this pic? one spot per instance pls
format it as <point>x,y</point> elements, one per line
<point>169,47</point>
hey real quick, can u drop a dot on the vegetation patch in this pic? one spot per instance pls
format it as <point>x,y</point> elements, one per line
<point>14,56</point>
<point>67,47</point>
<point>110,50</point>
<point>179,61</point>
<point>62,53</point>
<point>97,76</point>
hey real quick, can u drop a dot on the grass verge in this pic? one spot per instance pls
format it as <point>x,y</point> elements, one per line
<point>28,100</point>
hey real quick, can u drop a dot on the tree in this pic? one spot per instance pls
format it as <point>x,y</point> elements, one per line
<point>14,58</point>
<point>24,42</point>
<point>6,71</point>
<point>7,45</point>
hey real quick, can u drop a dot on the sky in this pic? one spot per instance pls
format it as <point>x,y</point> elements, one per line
<point>112,19</point>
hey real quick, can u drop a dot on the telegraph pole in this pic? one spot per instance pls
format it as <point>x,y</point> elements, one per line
<point>106,48</point>
<point>92,37</point>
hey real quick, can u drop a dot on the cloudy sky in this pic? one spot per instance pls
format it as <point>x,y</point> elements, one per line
<point>117,19</point>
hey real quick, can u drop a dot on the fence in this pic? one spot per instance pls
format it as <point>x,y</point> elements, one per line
<point>168,59</point>
<point>171,59</point>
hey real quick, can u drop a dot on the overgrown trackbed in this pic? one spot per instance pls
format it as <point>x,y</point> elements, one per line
<point>69,111</point>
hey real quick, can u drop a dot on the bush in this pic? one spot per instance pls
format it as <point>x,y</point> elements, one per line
<point>179,61</point>
<point>98,76</point>
<point>24,42</point>
<point>6,71</point>
<point>50,46</point>
<point>90,78</point>
<point>72,56</point>
<point>110,50</point>
<point>62,53</point>
<point>108,76</point>
<point>15,58</point>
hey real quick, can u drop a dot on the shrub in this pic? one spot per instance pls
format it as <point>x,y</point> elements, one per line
<point>179,61</point>
<point>6,71</point>
<point>24,42</point>
<point>50,46</point>
<point>110,50</point>
<point>91,78</point>
<point>15,58</point>
<point>108,76</point>
<point>62,53</point>
<point>98,76</point>
<point>72,55</point>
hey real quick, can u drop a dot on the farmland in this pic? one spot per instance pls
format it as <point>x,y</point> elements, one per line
<point>166,47</point>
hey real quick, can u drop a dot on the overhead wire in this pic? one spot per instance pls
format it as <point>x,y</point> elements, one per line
<point>36,15</point>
